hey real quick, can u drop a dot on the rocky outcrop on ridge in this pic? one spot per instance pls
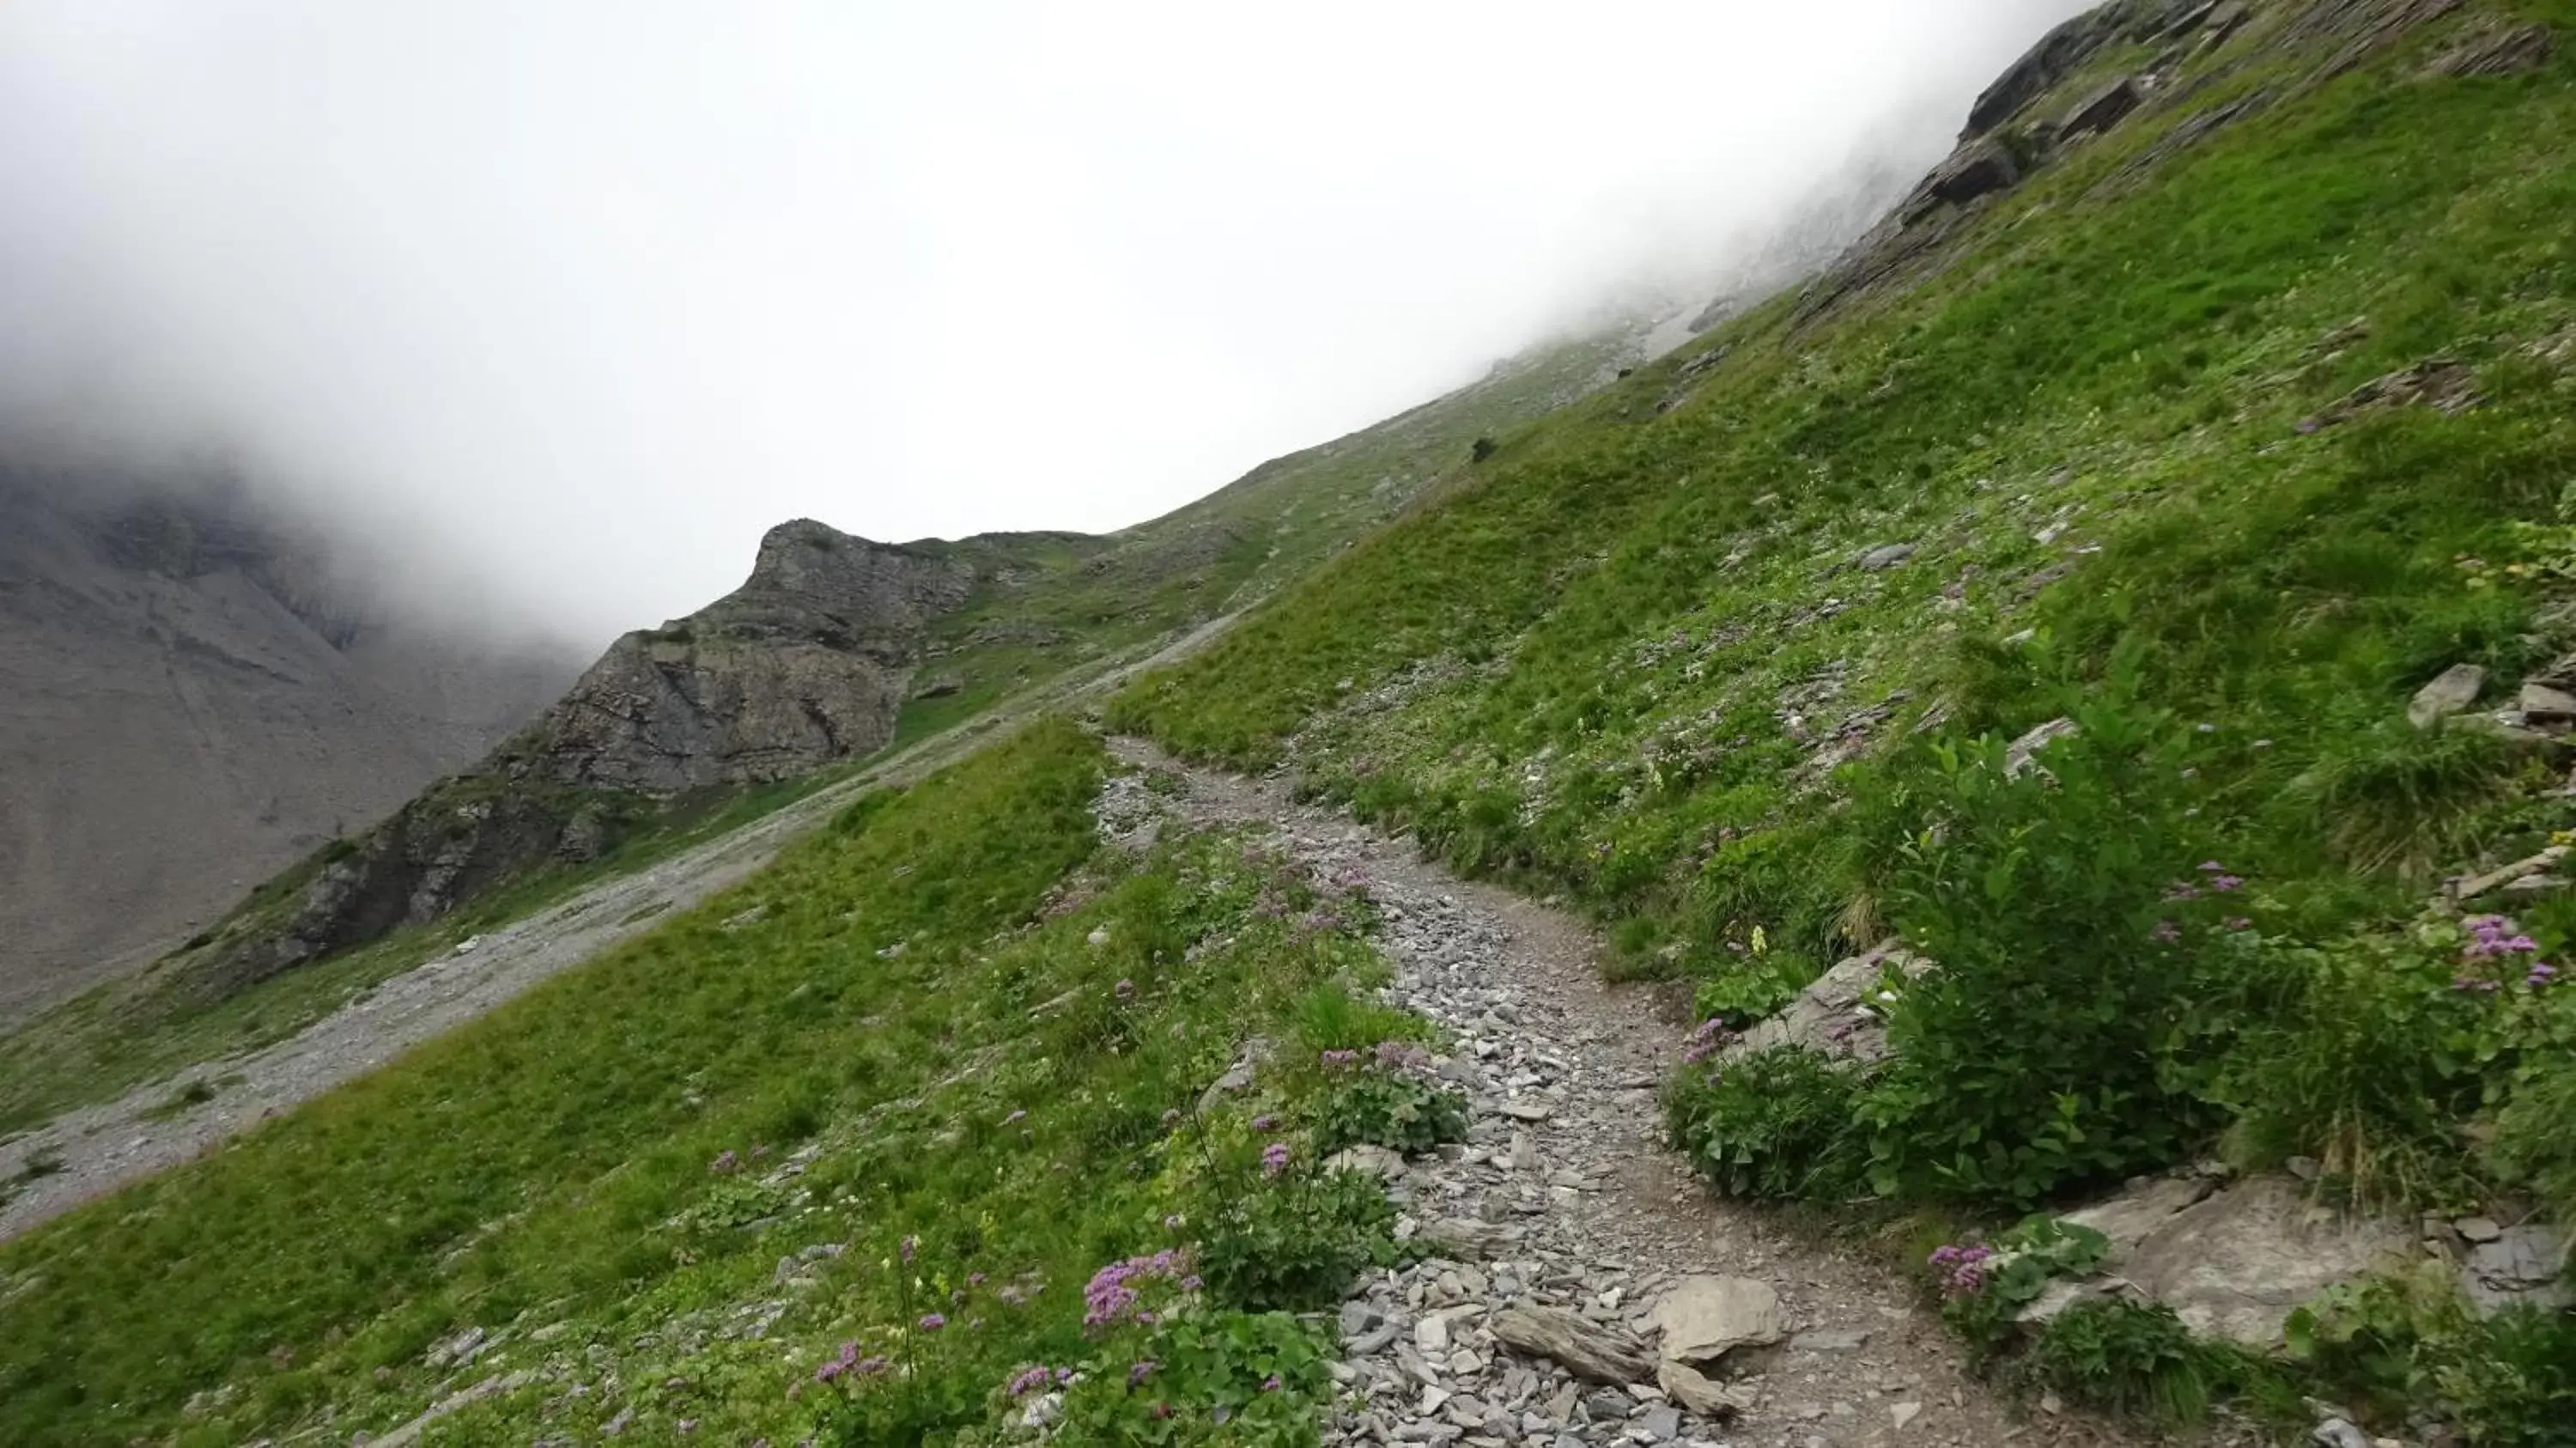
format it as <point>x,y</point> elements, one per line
<point>805,665</point>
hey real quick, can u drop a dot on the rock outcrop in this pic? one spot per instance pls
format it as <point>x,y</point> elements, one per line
<point>805,665</point>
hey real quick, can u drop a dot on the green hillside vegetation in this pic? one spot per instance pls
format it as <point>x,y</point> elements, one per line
<point>1641,663</point>
<point>1054,610</point>
<point>944,1058</point>
<point>1054,602</point>
<point>1731,654</point>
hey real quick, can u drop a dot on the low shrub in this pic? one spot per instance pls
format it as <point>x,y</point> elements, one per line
<point>1775,1125</point>
<point>2123,1358</point>
<point>2076,923</point>
<point>1292,1240</point>
<point>1388,1108</point>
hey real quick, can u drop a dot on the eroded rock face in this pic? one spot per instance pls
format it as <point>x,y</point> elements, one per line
<point>806,664</point>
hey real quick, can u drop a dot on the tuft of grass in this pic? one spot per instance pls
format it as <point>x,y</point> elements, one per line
<point>2394,797</point>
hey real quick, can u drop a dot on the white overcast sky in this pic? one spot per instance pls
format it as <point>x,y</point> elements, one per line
<point>569,301</point>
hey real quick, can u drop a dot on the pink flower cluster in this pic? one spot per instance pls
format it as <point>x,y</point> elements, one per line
<point>1274,1158</point>
<point>1963,1269</point>
<point>849,1362</point>
<point>1111,1297</point>
<point>1037,1375</point>
<point>1711,1038</point>
<point>2495,940</point>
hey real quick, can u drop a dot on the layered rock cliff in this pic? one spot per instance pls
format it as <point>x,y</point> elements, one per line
<point>807,664</point>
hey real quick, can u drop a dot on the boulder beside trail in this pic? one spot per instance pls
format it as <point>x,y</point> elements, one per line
<point>1704,1318</point>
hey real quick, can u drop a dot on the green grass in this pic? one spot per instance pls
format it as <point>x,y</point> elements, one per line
<point>1632,662</point>
<point>127,1033</point>
<point>923,972</point>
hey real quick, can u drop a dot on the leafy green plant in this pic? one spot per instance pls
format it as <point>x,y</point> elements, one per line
<point>1293,1240</point>
<point>2407,1339</point>
<point>1776,1124</point>
<point>2123,1358</point>
<point>1202,1377</point>
<point>1984,1287</point>
<point>1753,989</point>
<point>1392,1109</point>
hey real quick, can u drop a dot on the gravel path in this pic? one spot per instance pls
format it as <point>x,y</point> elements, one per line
<point>1566,1196</point>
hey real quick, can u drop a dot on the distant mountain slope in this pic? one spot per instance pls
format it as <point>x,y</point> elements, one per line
<point>836,646</point>
<point>188,702</point>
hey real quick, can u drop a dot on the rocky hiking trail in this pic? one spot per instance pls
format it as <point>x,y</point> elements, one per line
<point>1577,1258</point>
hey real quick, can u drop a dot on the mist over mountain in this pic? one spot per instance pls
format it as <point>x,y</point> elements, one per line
<point>198,687</point>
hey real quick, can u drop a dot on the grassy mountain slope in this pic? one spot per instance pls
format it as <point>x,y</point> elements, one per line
<point>2217,437</point>
<point>1661,654</point>
<point>1049,610</point>
<point>945,1032</point>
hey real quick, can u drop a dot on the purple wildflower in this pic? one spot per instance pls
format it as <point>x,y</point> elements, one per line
<point>1270,1384</point>
<point>907,1248</point>
<point>2542,973</point>
<point>1274,1158</point>
<point>725,1161</point>
<point>1340,1060</point>
<point>1711,1037</point>
<point>1143,1369</point>
<point>1028,1380</point>
<point>2226,883</point>
<point>2165,933</point>
<point>932,1322</point>
<point>1265,1122</point>
<point>2185,890</point>
<point>1191,1283</point>
<point>1962,1269</point>
<point>1111,1297</point>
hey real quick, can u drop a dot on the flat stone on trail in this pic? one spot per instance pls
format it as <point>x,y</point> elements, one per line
<point>1590,1350</point>
<point>1467,1238</point>
<point>1703,1318</point>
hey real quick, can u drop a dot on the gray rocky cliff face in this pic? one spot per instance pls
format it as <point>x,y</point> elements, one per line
<point>806,664</point>
<point>197,689</point>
